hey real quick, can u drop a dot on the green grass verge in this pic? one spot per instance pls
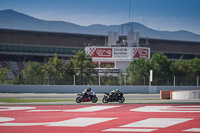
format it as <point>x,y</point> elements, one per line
<point>19,100</point>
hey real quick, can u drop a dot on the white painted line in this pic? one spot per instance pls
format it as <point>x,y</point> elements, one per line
<point>157,122</point>
<point>44,110</point>
<point>91,109</point>
<point>5,119</point>
<point>193,130</point>
<point>81,122</point>
<point>76,122</point>
<point>160,109</point>
<point>23,124</point>
<point>8,108</point>
<point>129,130</point>
<point>85,109</point>
<point>151,109</point>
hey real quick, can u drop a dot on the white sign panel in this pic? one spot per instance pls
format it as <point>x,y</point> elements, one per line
<point>121,52</point>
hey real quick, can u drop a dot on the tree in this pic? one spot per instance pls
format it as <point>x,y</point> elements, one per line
<point>32,74</point>
<point>54,70</point>
<point>193,71</point>
<point>180,68</point>
<point>137,71</point>
<point>194,66</point>
<point>4,76</point>
<point>161,68</point>
<point>121,79</point>
<point>82,65</point>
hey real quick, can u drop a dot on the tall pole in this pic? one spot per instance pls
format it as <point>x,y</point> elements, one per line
<point>174,81</point>
<point>198,80</point>
<point>74,80</point>
<point>99,80</point>
<point>129,11</point>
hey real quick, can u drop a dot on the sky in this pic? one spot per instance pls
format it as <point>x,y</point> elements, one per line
<point>164,15</point>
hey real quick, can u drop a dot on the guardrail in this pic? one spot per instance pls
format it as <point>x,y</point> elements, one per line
<point>97,89</point>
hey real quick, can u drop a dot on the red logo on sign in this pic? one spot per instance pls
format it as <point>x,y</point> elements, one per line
<point>140,53</point>
<point>102,52</point>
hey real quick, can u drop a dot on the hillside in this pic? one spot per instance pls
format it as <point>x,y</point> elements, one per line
<point>11,19</point>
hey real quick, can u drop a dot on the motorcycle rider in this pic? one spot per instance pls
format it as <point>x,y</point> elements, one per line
<point>113,94</point>
<point>86,93</point>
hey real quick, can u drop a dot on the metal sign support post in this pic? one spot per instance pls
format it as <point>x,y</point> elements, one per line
<point>150,77</point>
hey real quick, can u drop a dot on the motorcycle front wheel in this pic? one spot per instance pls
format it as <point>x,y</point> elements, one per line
<point>121,99</point>
<point>94,100</point>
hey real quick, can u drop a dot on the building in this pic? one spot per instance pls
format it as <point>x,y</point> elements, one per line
<point>18,47</point>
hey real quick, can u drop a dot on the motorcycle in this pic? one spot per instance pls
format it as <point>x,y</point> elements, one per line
<point>81,98</point>
<point>116,98</point>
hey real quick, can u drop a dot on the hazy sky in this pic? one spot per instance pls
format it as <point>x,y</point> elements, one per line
<point>170,15</point>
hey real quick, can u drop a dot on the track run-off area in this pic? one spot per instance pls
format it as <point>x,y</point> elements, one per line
<point>108,118</point>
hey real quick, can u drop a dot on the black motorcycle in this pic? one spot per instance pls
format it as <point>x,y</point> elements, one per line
<point>113,98</point>
<point>82,98</point>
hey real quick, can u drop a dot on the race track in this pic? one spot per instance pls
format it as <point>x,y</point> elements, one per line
<point>108,118</point>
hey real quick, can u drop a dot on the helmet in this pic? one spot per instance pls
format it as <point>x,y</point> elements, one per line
<point>117,90</point>
<point>88,89</point>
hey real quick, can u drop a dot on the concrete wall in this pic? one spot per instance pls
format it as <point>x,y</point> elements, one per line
<point>186,95</point>
<point>97,89</point>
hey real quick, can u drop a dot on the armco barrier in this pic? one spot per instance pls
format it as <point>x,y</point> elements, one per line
<point>68,89</point>
<point>97,89</point>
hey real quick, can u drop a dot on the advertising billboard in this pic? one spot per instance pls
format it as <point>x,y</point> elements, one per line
<point>100,52</point>
<point>118,52</point>
<point>139,52</point>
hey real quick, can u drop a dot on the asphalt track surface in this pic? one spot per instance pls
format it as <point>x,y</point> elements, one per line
<point>112,118</point>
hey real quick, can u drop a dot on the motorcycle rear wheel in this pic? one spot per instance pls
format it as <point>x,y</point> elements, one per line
<point>78,100</point>
<point>105,100</point>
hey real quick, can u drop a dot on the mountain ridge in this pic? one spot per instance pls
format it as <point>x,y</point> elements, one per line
<point>12,19</point>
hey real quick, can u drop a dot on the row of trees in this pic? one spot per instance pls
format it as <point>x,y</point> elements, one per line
<point>164,70</point>
<point>80,70</point>
<point>56,71</point>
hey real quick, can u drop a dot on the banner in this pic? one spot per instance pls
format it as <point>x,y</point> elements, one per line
<point>141,52</point>
<point>118,52</point>
<point>100,52</point>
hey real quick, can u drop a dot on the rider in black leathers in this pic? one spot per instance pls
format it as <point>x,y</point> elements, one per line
<point>114,94</point>
<point>86,93</point>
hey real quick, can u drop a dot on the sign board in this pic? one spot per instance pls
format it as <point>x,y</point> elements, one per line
<point>100,52</point>
<point>118,52</point>
<point>151,75</point>
<point>139,52</point>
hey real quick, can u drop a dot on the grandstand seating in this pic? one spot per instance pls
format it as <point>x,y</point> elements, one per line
<point>14,68</point>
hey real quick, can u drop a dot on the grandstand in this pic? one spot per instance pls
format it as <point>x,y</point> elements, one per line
<point>18,47</point>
